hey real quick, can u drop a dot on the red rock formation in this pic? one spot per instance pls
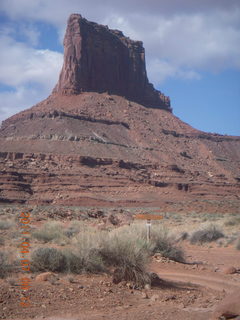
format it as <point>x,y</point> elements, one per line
<point>98,149</point>
<point>99,59</point>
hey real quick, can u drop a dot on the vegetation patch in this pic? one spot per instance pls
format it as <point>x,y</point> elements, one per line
<point>238,244</point>
<point>48,259</point>
<point>49,231</point>
<point>5,266</point>
<point>233,221</point>
<point>5,224</point>
<point>162,243</point>
<point>208,234</point>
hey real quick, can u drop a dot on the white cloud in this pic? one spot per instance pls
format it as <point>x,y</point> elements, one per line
<point>19,99</point>
<point>30,33</point>
<point>160,70</point>
<point>30,72</point>
<point>21,64</point>
<point>184,45</point>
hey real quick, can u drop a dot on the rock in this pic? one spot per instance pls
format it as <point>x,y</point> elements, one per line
<point>147,286</point>
<point>99,59</point>
<point>105,152</point>
<point>145,295</point>
<point>155,297</point>
<point>230,270</point>
<point>46,276</point>
<point>155,280</point>
<point>229,307</point>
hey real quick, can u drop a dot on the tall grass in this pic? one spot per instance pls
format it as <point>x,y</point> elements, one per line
<point>50,231</point>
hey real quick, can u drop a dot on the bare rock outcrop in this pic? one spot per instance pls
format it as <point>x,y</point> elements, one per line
<point>99,59</point>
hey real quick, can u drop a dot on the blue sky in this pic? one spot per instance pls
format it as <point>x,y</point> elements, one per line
<point>192,52</point>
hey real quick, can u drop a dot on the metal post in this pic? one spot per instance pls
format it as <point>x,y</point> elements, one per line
<point>148,230</point>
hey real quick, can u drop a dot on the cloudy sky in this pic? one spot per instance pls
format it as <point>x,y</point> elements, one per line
<point>192,52</point>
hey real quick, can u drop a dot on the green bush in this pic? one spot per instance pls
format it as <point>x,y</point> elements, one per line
<point>48,259</point>
<point>207,234</point>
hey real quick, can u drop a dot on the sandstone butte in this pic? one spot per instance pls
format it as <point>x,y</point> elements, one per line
<point>106,137</point>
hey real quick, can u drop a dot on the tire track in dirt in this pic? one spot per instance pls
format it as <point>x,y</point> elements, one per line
<point>205,281</point>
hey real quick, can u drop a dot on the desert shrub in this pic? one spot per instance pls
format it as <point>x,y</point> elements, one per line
<point>5,266</point>
<point>81,262</point>
<point>238,244</point>
<point>232,221</point>
<point>85,254</point>
<point>208,234</point>
<point>129,253</point>
<point>48,232</point>
<point>5,224</point>
<point>164,244</point>
<point>2,241</point>
<point>48,259</point>
<point>74,228</point>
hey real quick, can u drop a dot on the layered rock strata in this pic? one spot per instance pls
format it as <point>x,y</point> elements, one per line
<point>99,59</point>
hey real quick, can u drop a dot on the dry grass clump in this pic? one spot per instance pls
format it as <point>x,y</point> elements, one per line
<point>5,266</point>
<point>84,255</point>
<point>5,224</point>
<point>238,244</point>
<point>165,245</point>
<point>74,228</point>
<point>50,231</point>
<point>232,221</point>
<point>129,253</point>
<point>208,233</point>
<point>2,241</point>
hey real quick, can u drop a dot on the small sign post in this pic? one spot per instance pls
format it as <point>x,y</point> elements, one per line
<point>148,229</point>
<point>148,217</point>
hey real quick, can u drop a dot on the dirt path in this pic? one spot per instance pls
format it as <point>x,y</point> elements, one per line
<point>205,281</point>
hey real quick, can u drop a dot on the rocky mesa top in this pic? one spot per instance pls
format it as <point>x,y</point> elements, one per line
<point>99,59</point>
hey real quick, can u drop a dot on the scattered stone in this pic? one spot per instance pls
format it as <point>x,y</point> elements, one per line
<point>145,295</point>
<point>230,270</point>
<point>155,297</point>
<point>155,280</point>
<point>46,276</point>
<point>147,286</point>
<point>229,307</point>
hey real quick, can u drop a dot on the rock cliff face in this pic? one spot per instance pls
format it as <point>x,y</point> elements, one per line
<point>102,60</point>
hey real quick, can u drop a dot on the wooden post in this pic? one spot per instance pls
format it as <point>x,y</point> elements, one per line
<point>148,217</point>
<point>148,230</point>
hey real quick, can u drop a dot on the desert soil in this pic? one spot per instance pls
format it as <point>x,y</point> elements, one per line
<point>190,291</point>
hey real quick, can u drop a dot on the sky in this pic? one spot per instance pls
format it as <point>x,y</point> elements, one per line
<point>192,52</point>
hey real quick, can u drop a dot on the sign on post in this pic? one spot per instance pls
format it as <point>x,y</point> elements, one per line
<point>148,217</point>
